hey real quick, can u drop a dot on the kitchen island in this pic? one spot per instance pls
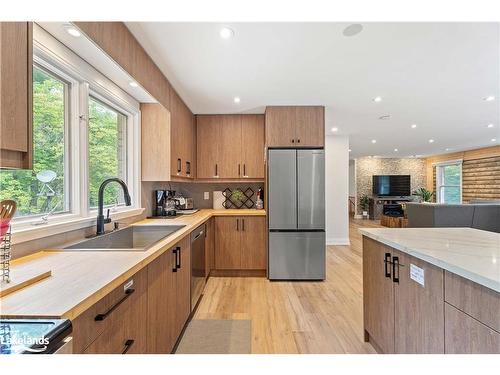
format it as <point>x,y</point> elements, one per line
<point>431,290</point>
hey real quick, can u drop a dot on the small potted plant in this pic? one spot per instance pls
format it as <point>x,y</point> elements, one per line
<point>424,195</point>
<point>364,203</point>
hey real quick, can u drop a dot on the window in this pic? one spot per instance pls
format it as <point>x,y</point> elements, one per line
<point>85,130</point>
<point>44,189</point>
<point>107,151</point>
<point>449,182</point>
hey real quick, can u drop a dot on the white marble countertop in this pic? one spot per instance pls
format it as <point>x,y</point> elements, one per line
<point>471,253</point>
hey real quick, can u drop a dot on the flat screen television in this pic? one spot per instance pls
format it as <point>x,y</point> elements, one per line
<point>391,185</point>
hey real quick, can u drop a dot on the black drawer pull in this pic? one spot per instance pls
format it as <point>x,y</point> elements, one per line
<point>179,166</point>
<point>395,266</point>
<point>128,345</point>
<point>101,317</point>
<point>387,261</point>
<point>174,251</point>
<point>188,168</point>
<point>179,256</point>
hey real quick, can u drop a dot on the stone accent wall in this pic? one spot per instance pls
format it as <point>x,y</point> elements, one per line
<point>367,167</point>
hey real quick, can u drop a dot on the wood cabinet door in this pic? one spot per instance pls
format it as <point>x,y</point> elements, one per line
<point>16,66</point>
<point>155,139</point>
<point>280,126</point>
<point>230,162</point>
<point>161,315</point>
<point>419,309</point>
<point>253,243</point>
<point>178,135</point>
<point>209,247</point>
<point>227,243</point>
<point>252,146</point>
<point>207,145</point>
<point>310,126</point>
<point>378,296</point>
<point>466,335</point>
<point>183,285</point>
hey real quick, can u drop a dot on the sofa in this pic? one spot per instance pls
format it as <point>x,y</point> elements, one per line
<point>480,215</point>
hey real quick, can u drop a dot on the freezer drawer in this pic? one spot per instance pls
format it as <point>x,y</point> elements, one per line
<point>311,189</point>
<point>282,189</point>
<point>297,255</point>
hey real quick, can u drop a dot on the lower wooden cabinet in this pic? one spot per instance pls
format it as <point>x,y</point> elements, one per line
<point>240,243</point>
<point>169,303</point>
<point>117,323</point>
<point>401,315</point>
<point>210,246</point>
<point>466,335</point>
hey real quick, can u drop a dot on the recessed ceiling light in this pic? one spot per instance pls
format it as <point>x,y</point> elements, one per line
<point>236,99</point>
<point>490,125</point>
<point>447,149</point>
<point>395,150</point>
<point>133,84</point>
<point>489,98</point>
<point>377,99</point>
<point>226,33</point>
<point>413,126</point>
<point>353,29</point>
<point>374,141</point>
<point>73,32</point>
<point>431,140</point>
<point>335,129</point>
<point>493,139</point>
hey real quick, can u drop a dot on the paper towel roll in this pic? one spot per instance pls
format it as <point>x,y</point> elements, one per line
<point>218,200</point>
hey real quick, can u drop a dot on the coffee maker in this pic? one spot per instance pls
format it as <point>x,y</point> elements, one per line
<point>165,203</point>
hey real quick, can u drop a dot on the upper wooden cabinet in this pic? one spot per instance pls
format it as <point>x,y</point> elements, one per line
<point>183,142</point>
<point>295,126</point>
<point>230,146</point>
<point>16,65</point>
<point>155,137</point>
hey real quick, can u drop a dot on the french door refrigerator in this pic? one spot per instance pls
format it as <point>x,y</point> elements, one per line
<point>296,212</point>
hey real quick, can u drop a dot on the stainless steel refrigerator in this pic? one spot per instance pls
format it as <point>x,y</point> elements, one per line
<point>296,212</point>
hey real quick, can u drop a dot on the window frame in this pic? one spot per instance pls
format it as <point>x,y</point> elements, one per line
<point>440,176</point>
<point>83,81</point>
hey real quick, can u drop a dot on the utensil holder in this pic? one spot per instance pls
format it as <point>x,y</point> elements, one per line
<point>5,255</point>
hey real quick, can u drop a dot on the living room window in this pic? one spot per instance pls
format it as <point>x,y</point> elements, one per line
<point>449,182</point>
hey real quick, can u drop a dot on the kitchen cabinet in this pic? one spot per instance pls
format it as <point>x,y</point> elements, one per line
<point>183,143</point>
<point>155,140</point>
<point>400,314</point>
<point>295,126</point>
<point>16,65</point>
<point>209,247</point>
<point>240,243</point>
<point>117,323</point>
<point>230,147</point>
<point>169,303</point>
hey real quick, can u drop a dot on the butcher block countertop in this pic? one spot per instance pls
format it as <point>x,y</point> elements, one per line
<point>81,278</point>
<point>470,253</point>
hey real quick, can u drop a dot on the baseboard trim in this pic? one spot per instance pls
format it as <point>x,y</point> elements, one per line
<point>238,273</point>
<point>338,241</point>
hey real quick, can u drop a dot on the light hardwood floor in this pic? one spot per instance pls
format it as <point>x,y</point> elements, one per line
<point>298,317</point>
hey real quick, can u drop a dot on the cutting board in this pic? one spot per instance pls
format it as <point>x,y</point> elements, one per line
<point>23,280</point>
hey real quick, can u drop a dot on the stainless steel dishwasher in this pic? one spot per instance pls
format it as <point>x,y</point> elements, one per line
<point>197,264</point>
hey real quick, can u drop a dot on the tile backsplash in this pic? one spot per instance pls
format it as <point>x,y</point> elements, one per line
<point>193,190</point>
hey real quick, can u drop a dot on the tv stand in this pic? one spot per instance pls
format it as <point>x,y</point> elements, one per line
<point>376,207</point>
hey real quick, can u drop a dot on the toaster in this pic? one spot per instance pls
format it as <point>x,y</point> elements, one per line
<point>184,203</point>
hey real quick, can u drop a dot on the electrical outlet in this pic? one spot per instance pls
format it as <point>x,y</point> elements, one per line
<point>206,195</point>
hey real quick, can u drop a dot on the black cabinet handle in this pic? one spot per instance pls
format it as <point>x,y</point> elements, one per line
<point>387,261</point>
<point>174,251</point>
<point>188,168</point>
<point>244,170</point>
<point>179,165</point>
<point>216,171</point>
<point>395,266</point>
<point>243,225</point>
<point>101,317</point>
<point>179,254</point>
<point>239,170</point>
<point>128,345</point>
<point>293,140</point>
<point>298,140</point>
<point>237,224</point>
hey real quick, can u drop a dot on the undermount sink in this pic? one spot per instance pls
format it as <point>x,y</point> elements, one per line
<point>133,238</point>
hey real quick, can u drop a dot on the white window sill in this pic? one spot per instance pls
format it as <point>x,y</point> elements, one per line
<point>23,232</point>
